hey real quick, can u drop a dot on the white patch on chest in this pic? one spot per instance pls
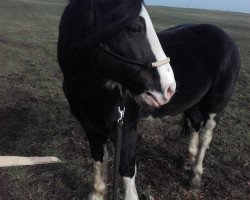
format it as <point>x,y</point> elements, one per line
<point>149,118</point>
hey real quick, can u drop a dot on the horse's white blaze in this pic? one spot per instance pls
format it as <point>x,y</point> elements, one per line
<point>100,178</point>
<point>130,188</point>
<point>165,71</point>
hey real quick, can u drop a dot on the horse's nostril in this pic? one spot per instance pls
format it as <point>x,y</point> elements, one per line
<point>170,92</point>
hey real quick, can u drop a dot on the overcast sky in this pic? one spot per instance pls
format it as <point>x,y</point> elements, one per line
<point>226,5</point>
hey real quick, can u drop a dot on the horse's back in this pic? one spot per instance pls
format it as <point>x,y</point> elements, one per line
<point>206,63</point>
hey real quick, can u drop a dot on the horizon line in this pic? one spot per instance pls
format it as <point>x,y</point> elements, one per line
<point>207,9</point>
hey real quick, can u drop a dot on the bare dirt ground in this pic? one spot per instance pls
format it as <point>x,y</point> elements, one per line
<point>35,118</point>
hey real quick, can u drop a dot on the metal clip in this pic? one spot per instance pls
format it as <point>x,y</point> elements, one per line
<point>122,113</point>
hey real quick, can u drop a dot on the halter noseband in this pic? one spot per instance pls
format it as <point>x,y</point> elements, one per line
<point>160,63</point>
<point>144,65</point>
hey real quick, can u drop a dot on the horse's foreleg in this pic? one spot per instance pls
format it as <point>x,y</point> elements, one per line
<point>99,190</point>
<point>127,165</point>
<point>205,139</point>
<point>130,187</point>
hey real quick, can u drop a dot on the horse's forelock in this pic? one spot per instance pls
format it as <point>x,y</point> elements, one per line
<point>108,17</point>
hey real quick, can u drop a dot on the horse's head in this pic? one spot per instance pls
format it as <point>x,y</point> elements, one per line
<point>121,43</point>
<point>152,82</point>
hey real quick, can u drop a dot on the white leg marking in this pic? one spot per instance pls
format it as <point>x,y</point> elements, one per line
<point>130,188</point>
<point>193,142</point>
<point>205,139</point>
<point>165,71</point>
<point>100,178</point>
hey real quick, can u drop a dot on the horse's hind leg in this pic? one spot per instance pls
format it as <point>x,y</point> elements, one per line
<point>193,123</point>
<point>192,147</point>
<point>205,138</point>
<point>200,138</point>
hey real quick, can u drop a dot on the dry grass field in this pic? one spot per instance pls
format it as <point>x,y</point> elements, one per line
<point>35,117</point>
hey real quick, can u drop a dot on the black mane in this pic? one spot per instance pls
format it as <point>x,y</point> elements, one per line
<point>98,20</point>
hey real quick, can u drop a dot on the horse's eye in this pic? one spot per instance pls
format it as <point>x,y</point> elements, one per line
<point>135,30</point>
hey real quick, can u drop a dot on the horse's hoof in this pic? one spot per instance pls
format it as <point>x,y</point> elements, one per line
<point>196,181</point>
<point>188,165</point>
<point>95,196</point>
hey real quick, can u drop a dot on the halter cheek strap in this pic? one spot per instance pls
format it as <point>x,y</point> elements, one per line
<point>143,65</point>
<point>105,49</point>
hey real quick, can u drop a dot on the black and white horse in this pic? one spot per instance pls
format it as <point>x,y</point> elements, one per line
<point>105,48</point>
<point>109,48</point>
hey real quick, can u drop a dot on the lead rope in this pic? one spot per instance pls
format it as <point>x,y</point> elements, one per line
<point>97,16</point>
<point>121,110</point>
